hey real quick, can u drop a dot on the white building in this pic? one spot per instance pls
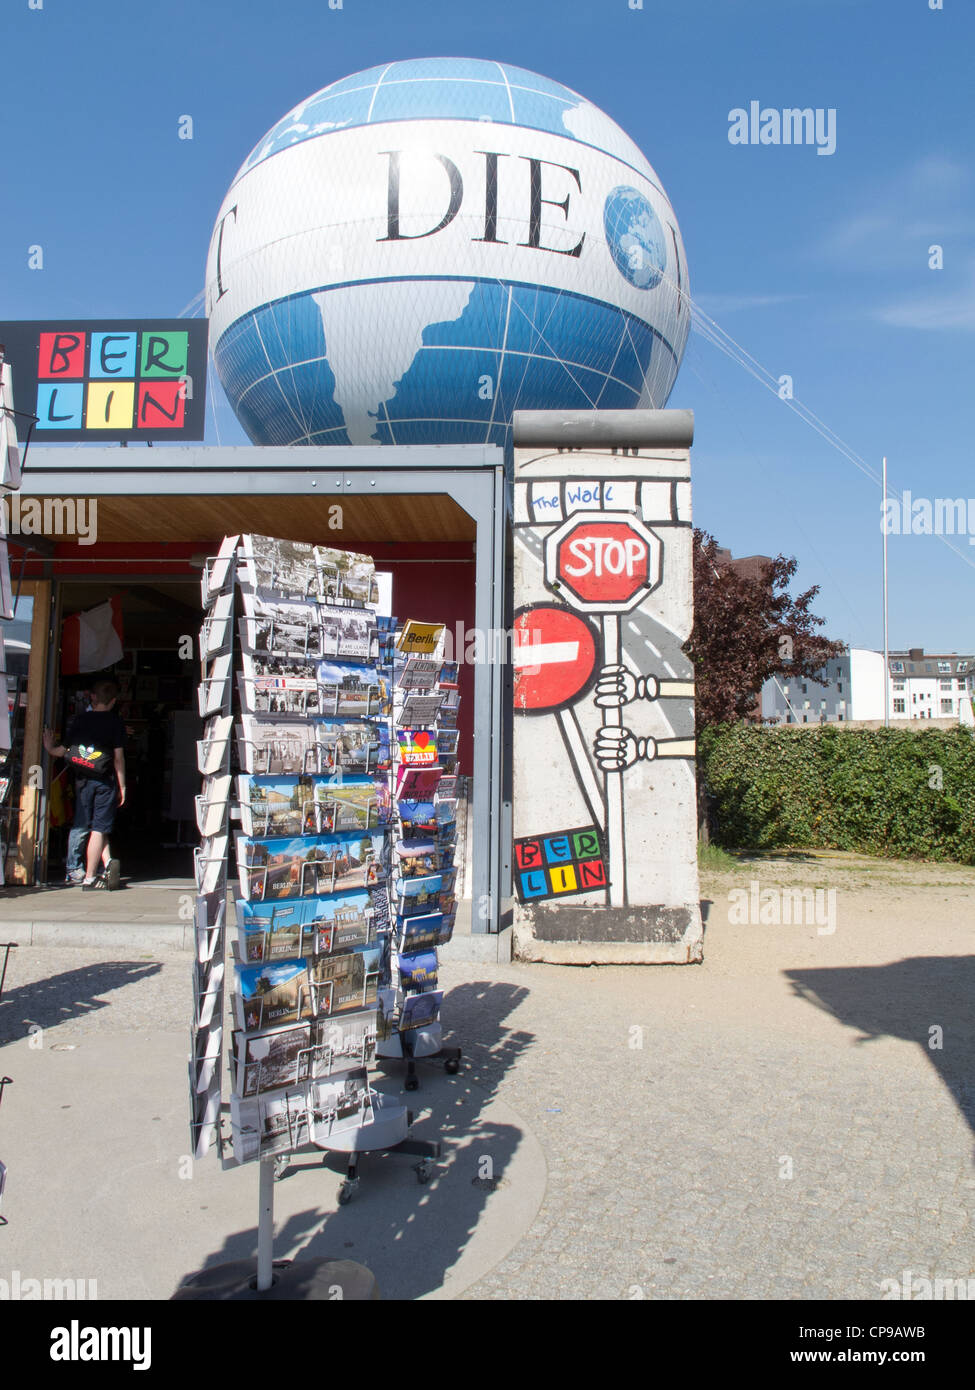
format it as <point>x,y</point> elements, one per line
<point>920,687</point>
<point>925,686</point>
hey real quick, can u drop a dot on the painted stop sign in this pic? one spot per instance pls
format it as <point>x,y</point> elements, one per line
<point>605,562</point>
<point>554,657</point>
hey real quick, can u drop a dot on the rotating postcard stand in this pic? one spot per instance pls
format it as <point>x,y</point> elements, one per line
<point>425,687</point>
<point>300,1052</point>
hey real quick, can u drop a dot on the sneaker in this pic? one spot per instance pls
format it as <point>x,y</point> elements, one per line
<point>98,883</point>
<point>113,875</point>
<point>76,876</point>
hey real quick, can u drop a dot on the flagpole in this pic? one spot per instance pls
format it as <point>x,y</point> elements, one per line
<point>886,658</point>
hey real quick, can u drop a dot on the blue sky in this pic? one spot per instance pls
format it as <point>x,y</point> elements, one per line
<point>817,266</point>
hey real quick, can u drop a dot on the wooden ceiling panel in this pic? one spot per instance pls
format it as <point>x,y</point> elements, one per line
<point>146,519</point>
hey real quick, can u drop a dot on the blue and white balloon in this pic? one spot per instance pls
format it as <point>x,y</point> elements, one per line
<point>420,249</point>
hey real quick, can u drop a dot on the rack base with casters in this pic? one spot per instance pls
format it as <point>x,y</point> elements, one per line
<point>450,1056</point>
<point>388,1134</point>
<point>419,1045</point>
<point>427,1150</point>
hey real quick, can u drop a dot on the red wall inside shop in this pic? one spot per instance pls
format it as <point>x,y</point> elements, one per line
<point>431,583</point>
<point>436,584</point>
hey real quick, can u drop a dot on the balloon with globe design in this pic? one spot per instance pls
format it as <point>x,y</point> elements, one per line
<point>418,250</point>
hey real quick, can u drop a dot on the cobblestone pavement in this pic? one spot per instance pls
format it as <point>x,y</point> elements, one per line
<point>774,1123</point>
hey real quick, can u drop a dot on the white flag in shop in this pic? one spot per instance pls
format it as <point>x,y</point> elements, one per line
<point>9,450</point>
<point>93,640</point>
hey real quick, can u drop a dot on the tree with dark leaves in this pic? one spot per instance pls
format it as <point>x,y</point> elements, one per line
<point>747,629</point>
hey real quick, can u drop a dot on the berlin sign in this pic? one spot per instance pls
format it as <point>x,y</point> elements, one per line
<point>604,562</point>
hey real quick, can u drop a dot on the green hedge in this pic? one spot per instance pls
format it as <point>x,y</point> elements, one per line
<point>872,790</point>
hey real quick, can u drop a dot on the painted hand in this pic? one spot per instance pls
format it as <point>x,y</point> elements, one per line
<point>617,686</point>
<point>617,749</point>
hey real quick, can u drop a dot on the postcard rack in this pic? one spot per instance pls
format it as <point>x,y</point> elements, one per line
<point>210,857</point>
<point>423,900</point>
<point>310,948</point>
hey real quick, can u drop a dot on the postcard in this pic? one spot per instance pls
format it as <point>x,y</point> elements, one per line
<point>205,1113</point>
<point>447,740</point>
<point>307,926</point>
<point>207,990</point>
<point>338,1105</point>
<point>309,865</point>
<point>211,750</point>
<point>215,632</point>
<point>417,970</point>
<point>306,630</point>
<point>294,747</point>
<point>306,1051</point>
<point>346,803</point>
<point>291,991</point>
<point>348,689</point>
<point>353,747</point>
<point>207,1045</point>
<point>419,639</point>
<point>212,804</point>
<point>420,933</point>
<point>449,674</point>
<point>417,747</point>
<point>379,902</point>
<point>417,858</point>
<point>210,863</point>
<point>214,688</point>
<point>263,1125</point>
<point>416,896</point>
<point>345,577</point>
<point>412,783</point>
<point>272,806</point>
<point>286,746</point>
<point>420,1010</point>
<point>349,1039</point>
<point>420,710</point>
<point>268,1061</point>
<point>288,629</point>
<point>279,566</point>
<point>209,917</point>
<point>417,673</point>
<point>419,818</point>
<point>218,572</point>
<point>291,696</point>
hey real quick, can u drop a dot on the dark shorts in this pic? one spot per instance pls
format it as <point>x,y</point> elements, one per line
<point>95,805</point>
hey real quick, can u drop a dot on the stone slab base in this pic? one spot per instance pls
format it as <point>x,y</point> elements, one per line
<point>609,936</point>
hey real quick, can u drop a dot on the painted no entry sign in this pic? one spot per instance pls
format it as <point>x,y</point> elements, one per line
<point>603,563</point>
<point>554,657</point>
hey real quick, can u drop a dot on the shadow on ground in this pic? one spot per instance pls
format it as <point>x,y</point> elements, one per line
<point>72,994</point>
<point>411,1236</point>
<point>910,999</point>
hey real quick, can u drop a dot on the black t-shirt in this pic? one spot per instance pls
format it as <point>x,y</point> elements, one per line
<point>103,729</point>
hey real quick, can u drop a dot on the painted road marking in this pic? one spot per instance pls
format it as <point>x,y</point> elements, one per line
<point>544,653</point>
